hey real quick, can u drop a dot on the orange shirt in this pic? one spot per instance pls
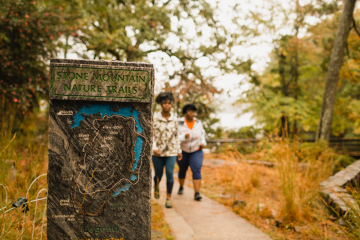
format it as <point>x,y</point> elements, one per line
<point>190,125</point>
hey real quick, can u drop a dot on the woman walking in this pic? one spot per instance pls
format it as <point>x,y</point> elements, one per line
<point>166,145</point>
<point>192,137</point>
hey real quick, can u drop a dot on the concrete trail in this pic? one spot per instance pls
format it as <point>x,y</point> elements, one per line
<point>204,220</point>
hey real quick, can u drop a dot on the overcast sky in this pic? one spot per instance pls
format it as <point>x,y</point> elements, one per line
<point>230,116</point>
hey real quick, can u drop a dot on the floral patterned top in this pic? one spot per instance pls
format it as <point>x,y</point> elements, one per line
<point>166,136</point>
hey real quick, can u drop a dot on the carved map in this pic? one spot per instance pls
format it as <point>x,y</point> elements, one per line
<point>103,146</point>
<point>100,138</point>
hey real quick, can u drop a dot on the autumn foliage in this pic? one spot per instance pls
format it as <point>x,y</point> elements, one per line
<point>30,32</point>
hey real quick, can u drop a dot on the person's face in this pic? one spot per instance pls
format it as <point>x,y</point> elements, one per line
<point>166,106</point>
<point>190,114</point>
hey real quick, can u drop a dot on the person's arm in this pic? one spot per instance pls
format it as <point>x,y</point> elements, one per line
<point>203,138</point>
<point>177,141</point>
<point>181,135</point>
<point>155,149</point>
<point>177,137</point>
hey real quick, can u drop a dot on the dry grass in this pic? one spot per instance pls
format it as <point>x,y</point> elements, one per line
<point>23,157</point>
<point>157,221</point>
<point>281,198</point>
<point>351,219</point>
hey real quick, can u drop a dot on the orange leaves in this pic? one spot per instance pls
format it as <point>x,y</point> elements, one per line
<point>152,23</point>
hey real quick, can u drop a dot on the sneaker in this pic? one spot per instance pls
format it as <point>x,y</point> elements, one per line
<point>157,192</point>
<point>197,196</point>
<point>168,203</point>
<point>181,190</point>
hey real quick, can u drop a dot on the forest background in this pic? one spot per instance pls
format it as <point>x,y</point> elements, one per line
<point>195,48</point>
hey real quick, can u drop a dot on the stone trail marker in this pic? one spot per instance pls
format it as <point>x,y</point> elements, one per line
<point>100,140</point>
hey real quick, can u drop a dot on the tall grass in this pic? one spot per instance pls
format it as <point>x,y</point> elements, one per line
<point>288,192</point>
<point>301,168</point>
<point>351,220</point>
<point>23,157</point>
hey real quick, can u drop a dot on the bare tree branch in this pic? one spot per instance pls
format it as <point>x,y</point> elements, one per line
<point>165,4</point>
<point>98,28</point>
<point>114,53</point>
<point>354,25</point>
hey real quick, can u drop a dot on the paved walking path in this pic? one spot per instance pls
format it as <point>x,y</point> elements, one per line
<point>205,220</point>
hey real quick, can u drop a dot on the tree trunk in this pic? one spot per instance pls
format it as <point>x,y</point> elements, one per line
<point>284,130</point>
<point>296,69</point>
<point>332,79</point>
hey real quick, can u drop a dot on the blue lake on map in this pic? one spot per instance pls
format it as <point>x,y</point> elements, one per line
<point>105,110</point>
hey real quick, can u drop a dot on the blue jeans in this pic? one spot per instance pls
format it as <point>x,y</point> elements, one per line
<point>194,160</point>
<point>169,163</point>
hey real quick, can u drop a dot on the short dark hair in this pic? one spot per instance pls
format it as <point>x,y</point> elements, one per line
<point>188,107</point>
<point>165,96</point>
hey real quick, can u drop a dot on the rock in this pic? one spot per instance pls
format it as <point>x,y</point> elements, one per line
<point>227,196</point>
<point>261,207</point>
<point>278,223</point>
<point>342,222</point>
<point>273,213</point>
<point>333,217</point>
<point>90,137</point>
<point>239,203</point>
<point>301,229</point>
<point>155,234</point>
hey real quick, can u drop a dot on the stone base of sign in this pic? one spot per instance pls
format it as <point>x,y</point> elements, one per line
<point>99,152</point>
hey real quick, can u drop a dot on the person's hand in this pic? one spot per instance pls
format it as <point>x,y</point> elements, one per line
<point>201,146</point>
<point>179,156</point>
<point>187,136</point>
<point>156,153</point>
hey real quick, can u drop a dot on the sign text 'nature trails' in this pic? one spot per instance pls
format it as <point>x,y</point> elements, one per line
<point>95,82</point>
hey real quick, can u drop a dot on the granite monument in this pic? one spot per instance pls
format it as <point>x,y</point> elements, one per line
<point>100,142</point>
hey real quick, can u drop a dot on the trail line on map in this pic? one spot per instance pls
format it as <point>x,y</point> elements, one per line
<point>140,160</point>
<point>85,213</point>
<point>119,180</point>
<point>88,185</point>
<point>105,144</point>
